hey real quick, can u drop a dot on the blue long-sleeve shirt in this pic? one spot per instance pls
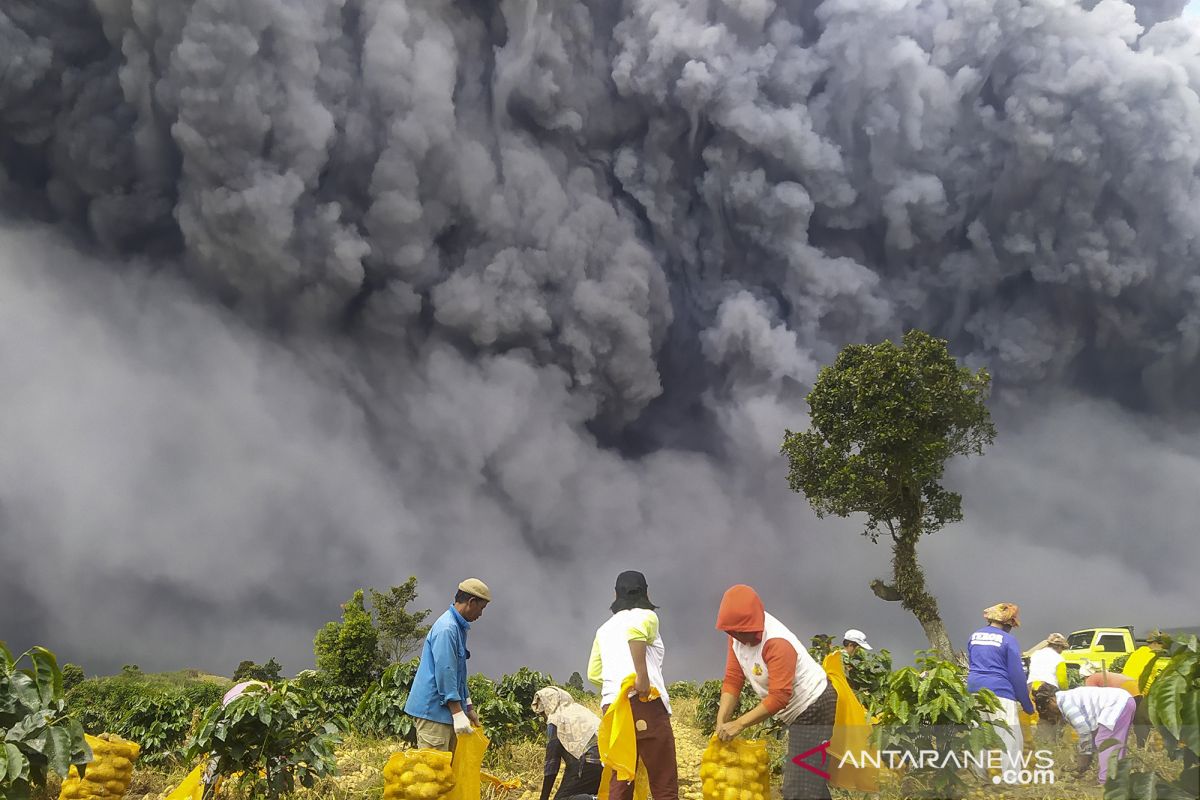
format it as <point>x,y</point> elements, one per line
<point>442,673</point>
<point>994,661</point>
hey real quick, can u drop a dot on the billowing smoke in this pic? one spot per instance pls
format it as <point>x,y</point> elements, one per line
<point>531,290</point>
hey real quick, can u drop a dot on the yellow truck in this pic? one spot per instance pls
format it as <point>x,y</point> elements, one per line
<point>1094,650</point>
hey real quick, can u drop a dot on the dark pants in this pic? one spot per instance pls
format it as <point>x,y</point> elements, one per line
<point>656,749</point>
<point>807,731</point>
<point>584,779</point>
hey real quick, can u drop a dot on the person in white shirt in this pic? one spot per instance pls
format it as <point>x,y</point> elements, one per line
<point>1044,661</point>
<point>630,643</point>
<point>1098,714</point>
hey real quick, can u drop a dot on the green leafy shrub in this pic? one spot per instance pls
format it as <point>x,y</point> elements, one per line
<point>249,671</point>
<point>868,673</point>
<point>683,690</point>
<point>709,702</point>
<point>275,739</point>
<point>508,716</point>
<point>381,710</point>
<point>38,735</point>
<point>1174,700</point>
<point>347,652</point>
<point>928,709</point>
<point>155,713</point>
<point>72,676</point>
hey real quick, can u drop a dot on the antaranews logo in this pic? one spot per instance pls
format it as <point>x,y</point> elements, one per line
<point>1034,768</point>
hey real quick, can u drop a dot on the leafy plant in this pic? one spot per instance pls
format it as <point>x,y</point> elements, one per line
<point>401,631</point>
<point>381,710</point>
<point>155,713</point>
<point>709,702</point>
<point>868,672</point>
<point>928,709</point>
<point>884,420</point>
<point>72,676</point>
<point>1174,700</point>
<point>508,716</point>
<point>36,734</point>
<point>348,651</point>
<point>249,671</point>
<point>275,739</point>
<point>682,690</point>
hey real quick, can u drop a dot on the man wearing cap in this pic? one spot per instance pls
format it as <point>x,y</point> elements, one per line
<point>629,643</point>
<point>439,702</point>
<point>853,639</point>
<point>1044,661</point>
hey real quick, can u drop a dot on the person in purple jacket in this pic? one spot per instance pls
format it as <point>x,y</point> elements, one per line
<point>994,662</point>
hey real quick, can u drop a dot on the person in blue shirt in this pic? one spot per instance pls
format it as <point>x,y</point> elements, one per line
<point>994,662</point>
<point>439,702</point>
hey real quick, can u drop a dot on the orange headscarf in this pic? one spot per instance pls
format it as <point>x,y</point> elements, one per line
<point>1004,613</point>
<point>741,611</point>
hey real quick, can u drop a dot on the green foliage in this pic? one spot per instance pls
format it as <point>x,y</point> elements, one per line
<point>930,709</point>
<point>507,715</point>
<point>36,734</point>
<point>153,711</point>
<point>249,671</point>
<point>884,421</point>
<point>683,690</point>
<point>72,676</point>
<point>381,710</point>
<point>709,702</point>
<point>868,673</point>
<point>275,739</point>
<point>401,632</point>
<point>821,645</point>
<point>348,651</point>
<point>1174,700</point>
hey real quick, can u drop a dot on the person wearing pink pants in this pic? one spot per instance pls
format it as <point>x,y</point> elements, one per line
<point>1098,714</point>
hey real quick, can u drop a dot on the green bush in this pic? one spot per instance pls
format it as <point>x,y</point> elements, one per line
<point>508,716</point>
<point>380,712</point>
<point>37,733</point>
<point>275,739</point>
<point>683,690</point>
<point>1174,700</point>
<point>154,712</point>
<point>928,709</point>
<point>347,652</point>
<point>868,673</point>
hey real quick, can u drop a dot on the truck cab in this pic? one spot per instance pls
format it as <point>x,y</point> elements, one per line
<point>1097,648</point>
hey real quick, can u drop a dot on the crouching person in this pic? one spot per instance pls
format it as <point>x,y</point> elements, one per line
<point>570,738</point>
<point>1099,714</point>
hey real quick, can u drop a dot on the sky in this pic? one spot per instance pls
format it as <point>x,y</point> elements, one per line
<point>297,301</point>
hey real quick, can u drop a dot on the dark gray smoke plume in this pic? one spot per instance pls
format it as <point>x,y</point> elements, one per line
<point>531,289</point>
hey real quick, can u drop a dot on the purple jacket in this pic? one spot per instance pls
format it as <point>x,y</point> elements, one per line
<point>994,659</point>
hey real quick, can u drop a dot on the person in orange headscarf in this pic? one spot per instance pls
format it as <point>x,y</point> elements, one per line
<point>994,662</point>
<point>790,685</point>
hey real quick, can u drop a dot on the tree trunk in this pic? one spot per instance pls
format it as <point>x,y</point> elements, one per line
<point>910,583</point>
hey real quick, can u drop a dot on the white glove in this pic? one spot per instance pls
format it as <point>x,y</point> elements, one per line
<point>462,725</point>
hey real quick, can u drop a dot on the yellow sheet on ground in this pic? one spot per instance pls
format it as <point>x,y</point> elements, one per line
<point>190,788</point>
<point>617,737</point>
<point>851,733</point>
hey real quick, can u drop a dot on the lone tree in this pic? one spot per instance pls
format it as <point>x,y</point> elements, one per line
<point>348,651</point>
<point>884,421</point>
<point>401,632</point>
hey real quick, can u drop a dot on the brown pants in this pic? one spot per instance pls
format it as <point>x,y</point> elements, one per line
<point>656,749</point>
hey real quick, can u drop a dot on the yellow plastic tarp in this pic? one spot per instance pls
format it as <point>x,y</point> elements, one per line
<point>467,766</point>
<point>1136,664</point>
<point>190,788</point>
<point>851,734</point>
<point>617,737</point>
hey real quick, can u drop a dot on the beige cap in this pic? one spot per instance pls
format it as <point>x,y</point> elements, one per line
<point>476,588</point>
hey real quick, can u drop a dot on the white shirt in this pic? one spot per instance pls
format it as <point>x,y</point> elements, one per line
<point>807,684</point>
<point>1089,707</point>
<point>611,661</point>
<point>1043,666</point>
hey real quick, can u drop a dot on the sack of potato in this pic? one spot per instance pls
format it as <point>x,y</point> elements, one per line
<point>417,775</point>
<point>735,770</point>
<point>107,775</point>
